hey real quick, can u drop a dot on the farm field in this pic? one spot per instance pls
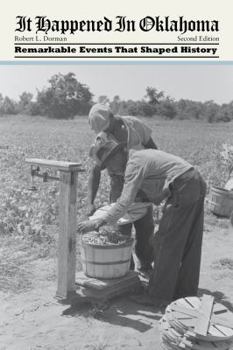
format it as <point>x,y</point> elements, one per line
<point>32,318</point>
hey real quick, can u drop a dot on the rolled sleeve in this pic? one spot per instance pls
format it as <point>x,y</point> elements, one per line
<point>133,179</point>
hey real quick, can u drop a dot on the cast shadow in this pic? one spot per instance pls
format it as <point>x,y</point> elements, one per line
<point>120,311</point>
<point>218,296</point>
<point>124,312</point>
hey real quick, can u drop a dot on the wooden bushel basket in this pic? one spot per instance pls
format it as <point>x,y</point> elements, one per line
<point>221,201</point>
<point>196,323</point>
<point>106,261</point>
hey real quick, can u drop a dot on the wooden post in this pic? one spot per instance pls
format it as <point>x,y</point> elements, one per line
<point>67,235</point>
<point>66,288</point>
<point>67,222</point>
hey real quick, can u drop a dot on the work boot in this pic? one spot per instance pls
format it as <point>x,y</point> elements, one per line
<point>145,270</point>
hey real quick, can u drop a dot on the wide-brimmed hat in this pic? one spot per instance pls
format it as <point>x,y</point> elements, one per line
<point>99,117</point>
<point>103,147</point>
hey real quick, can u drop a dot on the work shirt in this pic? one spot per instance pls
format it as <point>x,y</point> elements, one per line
<point>136,134</point>
<point>133,131</point>
<point>148,172</point>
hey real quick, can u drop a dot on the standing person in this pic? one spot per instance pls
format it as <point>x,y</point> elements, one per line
<point>129,130</point>
<point>160,175</point>
<point>124,128</point>
<point>106,156</point>
<point>134,134</point>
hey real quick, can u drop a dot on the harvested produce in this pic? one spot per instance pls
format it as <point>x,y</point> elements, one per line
<point>105,236</point>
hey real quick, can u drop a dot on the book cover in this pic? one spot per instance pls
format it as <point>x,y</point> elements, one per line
<point>169,64</point>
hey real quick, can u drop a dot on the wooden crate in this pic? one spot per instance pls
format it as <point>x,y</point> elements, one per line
<point>101,289</point>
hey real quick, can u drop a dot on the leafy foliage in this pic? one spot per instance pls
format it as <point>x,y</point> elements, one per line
<point>7,106</point>
<point>25,100</point>
<point>29,214</point>
<point>29,220</point>
<point>153,95</point>
<point>64,98</point>
<point>157,103</point>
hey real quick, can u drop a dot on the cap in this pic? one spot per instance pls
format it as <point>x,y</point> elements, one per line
<point>99,117</point>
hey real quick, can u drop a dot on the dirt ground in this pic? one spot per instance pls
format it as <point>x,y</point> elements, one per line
<point>35,320</point>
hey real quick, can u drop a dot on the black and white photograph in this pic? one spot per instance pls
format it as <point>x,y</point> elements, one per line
<point>116,205</point>
<point>116,174</point>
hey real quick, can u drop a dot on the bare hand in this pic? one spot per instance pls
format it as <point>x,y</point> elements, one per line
<point>89,225</point>
<point>91,209</point>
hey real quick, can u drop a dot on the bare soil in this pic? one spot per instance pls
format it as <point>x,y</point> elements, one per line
<point>31,318</point>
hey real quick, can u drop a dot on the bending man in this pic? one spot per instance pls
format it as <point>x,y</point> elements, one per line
<point>159,175</point>
<point>113,156</point>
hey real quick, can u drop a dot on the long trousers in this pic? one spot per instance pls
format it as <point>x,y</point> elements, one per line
<point>178,241</point>
<point>144,231</point>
